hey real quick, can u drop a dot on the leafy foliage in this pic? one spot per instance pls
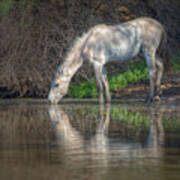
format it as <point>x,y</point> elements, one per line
<point>176,63</point>
<point>136,72</point>
<point>130,117</point>
<point>5,6</point>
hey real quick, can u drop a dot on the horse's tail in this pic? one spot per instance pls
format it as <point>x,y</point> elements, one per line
<point>163,52</point>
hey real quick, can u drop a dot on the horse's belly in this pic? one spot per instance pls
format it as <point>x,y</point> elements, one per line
<point>124,52</point>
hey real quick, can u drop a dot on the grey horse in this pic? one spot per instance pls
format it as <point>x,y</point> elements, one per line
<point>106,43</point>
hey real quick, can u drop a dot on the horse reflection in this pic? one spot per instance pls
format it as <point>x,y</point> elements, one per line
<point>98,146</point>
<point>68,135</point>
<point>100,140</point>
<point>75,146</point>
<point>156,137</point>
<point>100,149</point>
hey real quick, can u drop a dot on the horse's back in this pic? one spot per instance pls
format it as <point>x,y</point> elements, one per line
<point>123,41</point>
<point>147,22</point>
<point>151,30</point>
<point>112,43</point>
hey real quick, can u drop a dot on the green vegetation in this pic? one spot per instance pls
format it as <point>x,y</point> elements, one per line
<point>143,118</point>
<point>5,6</point>
<point>136,72</point>
<point>134,118</point>
<point>176,63</point>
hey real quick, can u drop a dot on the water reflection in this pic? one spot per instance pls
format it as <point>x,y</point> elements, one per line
<point>89,142</point>
<point>77,149</point>
<point>100,150</point>
<point>156,137</point>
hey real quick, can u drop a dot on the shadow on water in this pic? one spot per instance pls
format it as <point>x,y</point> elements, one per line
<point>85,141</point>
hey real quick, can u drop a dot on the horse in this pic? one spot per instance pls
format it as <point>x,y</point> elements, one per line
<point>106,43</point>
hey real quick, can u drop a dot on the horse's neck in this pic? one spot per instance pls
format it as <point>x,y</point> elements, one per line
<point>72,64</point>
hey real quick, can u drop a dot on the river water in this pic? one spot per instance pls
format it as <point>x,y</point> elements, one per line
<point>89,141</point>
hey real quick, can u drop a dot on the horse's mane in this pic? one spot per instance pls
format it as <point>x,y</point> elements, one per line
<point>74,58</point>
<point>76,49</point>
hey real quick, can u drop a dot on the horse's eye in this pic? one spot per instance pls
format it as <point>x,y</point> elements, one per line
<point>56,85</point>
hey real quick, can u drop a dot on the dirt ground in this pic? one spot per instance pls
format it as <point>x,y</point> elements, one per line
<point>170,86</point>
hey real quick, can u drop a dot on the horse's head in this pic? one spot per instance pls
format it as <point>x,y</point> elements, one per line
<point>59,87</point>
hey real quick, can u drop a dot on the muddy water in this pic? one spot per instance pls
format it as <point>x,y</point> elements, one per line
<point>88,141</point>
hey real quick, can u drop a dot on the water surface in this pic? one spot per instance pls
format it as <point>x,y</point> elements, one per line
<point>89,141</point>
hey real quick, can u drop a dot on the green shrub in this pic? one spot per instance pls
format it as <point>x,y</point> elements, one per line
<point>130,117</point>
<point>5,6</point>
<point>176,63</point>
<point>136,72</point>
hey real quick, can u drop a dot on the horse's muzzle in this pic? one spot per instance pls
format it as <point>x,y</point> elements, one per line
<point>52,99</point>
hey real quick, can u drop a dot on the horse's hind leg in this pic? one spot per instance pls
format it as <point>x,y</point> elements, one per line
<point>106,85</point>
<point>150,59</point>
<point>99,82</point>
<point>159,74</point>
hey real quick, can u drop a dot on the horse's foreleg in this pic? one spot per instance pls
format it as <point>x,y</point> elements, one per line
<point>159,75</point>
<point>99,83</point>
<point>106,85</point>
